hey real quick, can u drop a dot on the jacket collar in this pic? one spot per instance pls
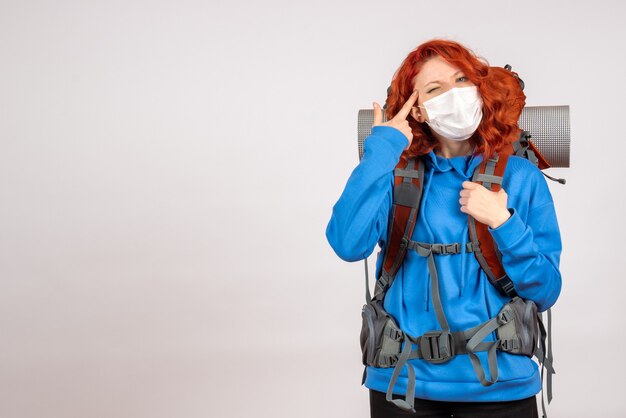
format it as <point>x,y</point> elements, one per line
<point>463,164</point>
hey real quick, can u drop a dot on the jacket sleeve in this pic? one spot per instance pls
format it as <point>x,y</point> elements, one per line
<point>531,250</point>
<point>360,216</point>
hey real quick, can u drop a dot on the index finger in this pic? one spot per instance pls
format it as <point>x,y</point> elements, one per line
<point>406,108</point>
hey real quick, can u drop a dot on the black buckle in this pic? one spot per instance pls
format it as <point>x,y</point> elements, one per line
<point>506,286</point>
<point>437,346</point>
<point>392,360</point>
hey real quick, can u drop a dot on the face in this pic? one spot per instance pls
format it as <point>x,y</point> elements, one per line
<point>436,77</point>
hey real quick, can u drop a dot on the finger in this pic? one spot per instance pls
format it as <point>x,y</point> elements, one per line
<point>378,114</point>
<point>406,108</point>
<point>469,185</point>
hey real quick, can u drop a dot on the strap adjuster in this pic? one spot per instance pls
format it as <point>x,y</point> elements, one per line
<point>509,345</point>
<point>388,360</point>
<point>437,346</point>
<point>454,248</point>
<point>506,286</point>
<point>504,317</point>
<point>394,334</point>
<point>446,249</point>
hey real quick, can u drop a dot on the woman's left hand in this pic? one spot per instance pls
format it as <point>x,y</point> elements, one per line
<point>484,205</point>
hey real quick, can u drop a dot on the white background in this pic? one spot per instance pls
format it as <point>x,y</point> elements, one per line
<point>168,168</point>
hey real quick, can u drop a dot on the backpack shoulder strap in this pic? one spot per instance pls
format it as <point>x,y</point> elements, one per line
<point>490,174</point>
<point>407,194</point>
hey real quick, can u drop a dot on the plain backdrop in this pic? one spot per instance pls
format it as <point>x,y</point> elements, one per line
<point>168,169</point>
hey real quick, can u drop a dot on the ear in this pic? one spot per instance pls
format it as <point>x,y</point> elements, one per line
<point>415,113</point>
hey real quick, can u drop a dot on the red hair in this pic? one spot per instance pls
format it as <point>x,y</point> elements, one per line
<point>502,95</point>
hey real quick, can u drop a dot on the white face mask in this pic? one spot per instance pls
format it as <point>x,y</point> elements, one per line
<point>456,113</point>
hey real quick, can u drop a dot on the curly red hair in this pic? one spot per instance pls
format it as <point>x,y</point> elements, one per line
<point>500,90</point>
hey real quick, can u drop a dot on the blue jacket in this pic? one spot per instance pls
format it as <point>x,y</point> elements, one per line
<point>529,240</point>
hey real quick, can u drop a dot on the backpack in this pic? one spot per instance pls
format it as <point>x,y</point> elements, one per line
<point>518,325</point>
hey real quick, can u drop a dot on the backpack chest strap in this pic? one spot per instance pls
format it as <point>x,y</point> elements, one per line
<point>424,248</point>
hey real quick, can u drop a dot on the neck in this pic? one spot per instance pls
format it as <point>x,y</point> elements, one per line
<point>449,148</point>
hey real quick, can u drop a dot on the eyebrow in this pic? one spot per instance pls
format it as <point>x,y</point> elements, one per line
<point>437,81</point>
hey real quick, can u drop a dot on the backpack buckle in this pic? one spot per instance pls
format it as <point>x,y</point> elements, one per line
<point>452,248</point>
<point>394,334</point>
<point>437,346</point>
<point>504,317</point>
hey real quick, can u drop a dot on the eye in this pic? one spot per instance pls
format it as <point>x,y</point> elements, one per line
<point>431,90</point>
<point>461,78</point>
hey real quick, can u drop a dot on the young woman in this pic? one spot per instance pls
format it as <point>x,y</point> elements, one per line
<point>451,109</point>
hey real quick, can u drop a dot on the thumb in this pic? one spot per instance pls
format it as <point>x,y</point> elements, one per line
<point>378,114</point>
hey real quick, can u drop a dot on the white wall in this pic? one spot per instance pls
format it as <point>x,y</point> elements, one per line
<point>168,168</point>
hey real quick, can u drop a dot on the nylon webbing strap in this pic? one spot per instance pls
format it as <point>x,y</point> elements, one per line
<point>472,344</point>
<point>488,179</point>
<point>412,174</point>
<point>549,356</point>
<point>427,250</point>
<point>490,168</point>
<point>546,360</point>
<point>368,296</point>
<point>410,390</point>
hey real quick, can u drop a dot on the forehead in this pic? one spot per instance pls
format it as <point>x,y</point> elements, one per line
<point>435,68</point>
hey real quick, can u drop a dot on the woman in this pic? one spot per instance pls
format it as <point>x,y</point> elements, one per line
<point>451,109</point>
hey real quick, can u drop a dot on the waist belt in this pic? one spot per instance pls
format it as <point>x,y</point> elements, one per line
<point>439,346</point>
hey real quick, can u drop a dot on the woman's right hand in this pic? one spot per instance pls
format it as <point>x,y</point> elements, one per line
<point>399,120</point>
